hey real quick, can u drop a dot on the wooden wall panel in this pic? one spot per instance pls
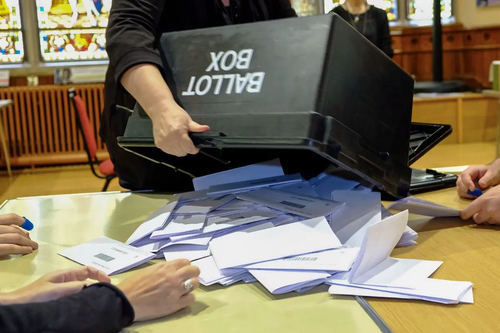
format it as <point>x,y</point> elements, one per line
<point>467,54</point>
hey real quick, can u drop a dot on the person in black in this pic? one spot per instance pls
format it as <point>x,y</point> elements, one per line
<point>61,301</point>
<point>370,21</point>
<point>136,73</point>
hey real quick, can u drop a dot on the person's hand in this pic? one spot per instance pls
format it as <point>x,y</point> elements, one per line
<point>478,176</point>
<point>55,285</point>
<point>171,130</point>
<point>158,291</point>
<point>485,209</point>
<point>13,239</point>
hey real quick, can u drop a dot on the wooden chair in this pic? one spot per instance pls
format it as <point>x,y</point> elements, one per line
<point>106,168</point>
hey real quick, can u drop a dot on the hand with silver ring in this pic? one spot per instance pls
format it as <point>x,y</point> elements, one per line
<point>161,289</point>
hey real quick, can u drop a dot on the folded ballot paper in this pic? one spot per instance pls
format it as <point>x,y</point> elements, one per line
<point>108,255</point>
<point>422,207</point>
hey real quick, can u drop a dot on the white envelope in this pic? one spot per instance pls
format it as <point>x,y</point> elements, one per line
<point>189,252</point>
<point>181,225</point>
<point>204,206</point>
<point>108,255</point>
<point>425,208</point>
<point>250,172</point>
<point>280,282</point>
<point>308,207</point>
<point>255,184</point>
<point>241,249</point>
<point>339,260</point>
<point>217,223</point>
<point>154,222</point>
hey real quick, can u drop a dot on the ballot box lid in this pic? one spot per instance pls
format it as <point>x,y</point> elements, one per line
<point>304,84</point>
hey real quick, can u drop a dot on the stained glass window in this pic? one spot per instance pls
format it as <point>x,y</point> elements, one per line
<point>73,29</point>
<point>306,7</point>
<point>390,6</point>
<point>11,37</point>
<point>423,9</point>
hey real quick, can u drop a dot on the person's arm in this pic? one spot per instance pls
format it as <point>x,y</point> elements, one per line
<point>131,46</point>
<point>386,41</point>
<point>98,308</point>
<point>284,8</point>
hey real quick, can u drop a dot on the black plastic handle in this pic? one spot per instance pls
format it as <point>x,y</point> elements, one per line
<point>207,139</point>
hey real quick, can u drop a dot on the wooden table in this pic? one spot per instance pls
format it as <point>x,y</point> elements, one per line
<point>3,105</point>
<point>495,93</point>
<point>470,253</point>
<point>68,220</point>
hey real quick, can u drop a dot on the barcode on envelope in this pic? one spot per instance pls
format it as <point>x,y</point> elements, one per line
<point>104,257</point>
<point>292,204</point>
<point>301,259</point>
<point>229,220</point>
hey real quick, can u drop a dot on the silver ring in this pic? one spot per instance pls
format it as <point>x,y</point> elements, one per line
<point>188,286</point>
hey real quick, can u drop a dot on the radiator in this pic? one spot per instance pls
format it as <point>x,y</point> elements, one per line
<point>40,126</point>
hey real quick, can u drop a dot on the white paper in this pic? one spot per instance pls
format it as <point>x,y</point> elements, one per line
<point>303,188</point>
<point>228,221</point>
<point>189,252</point>
<point>107,255</point>
<point>350,222</point>
<point>181,225</point>
<point>204,206</point>
<point>339,260</point>
<point>250,172</point>
<point>425,208</point>
<point>198,241</point>
<point>380,239</point>
<point>431,289</point>
<point>325,184</point>
<point>236,205</point>
<point>241,249</point>
<point>292,203</point>
<point>154,222</point>
<point>251,185</point>
<point>280,282</point>
<point>209,272</point>
<point>467,298</point>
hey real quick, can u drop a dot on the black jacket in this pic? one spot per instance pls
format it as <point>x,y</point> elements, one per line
<point>132,38</point>
<point>100,308</point>
<point>376,29</point>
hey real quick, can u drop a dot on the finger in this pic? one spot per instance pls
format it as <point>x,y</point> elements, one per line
<point>84,273</point>
<point>188,272</point>
<point>186,300</point>
<point>7,249</point>
<point>468,180</point>
<point>9,219</point>
<point>177,264</point>
<point>462,189</point>
<point>195,127</point>
<point>13,229</point>
<point>187,145</point>
<point>486,180</point>
<point>480,217</point>
<point>17,239</point>
<point>472,209</point>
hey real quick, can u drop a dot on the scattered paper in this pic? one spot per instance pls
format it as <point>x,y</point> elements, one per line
<point>204,206</point>
<point>251,185</point>
<point>425,208</point>
<point>238,250</point>
<point>108,255</point>
<point>280,282</point>
<point>292,203</point>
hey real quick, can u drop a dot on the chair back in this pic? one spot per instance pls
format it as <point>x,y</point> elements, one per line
<point>84,125</point>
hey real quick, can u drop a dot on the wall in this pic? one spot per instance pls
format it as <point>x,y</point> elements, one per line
<point>471,16</point>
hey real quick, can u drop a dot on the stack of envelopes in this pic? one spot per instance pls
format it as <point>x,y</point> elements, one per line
<point>257,224</point>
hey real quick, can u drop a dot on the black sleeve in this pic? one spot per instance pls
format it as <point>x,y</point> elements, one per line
<point>131,34</point>
<point>386,42</point>
<point>284,8</point>
<point>98,308</point>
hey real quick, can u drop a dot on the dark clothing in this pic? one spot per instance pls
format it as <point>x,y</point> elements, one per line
<point>97,308</point>
<point>133,33</point>
<point>373,24</point>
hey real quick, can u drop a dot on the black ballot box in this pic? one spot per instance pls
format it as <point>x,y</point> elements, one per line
<point>311,90</point>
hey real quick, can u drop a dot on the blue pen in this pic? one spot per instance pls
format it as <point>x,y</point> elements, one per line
<point>27,225</point>
<point>477,192</point>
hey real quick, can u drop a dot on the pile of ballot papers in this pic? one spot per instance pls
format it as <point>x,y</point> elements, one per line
<point>255,224</point>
